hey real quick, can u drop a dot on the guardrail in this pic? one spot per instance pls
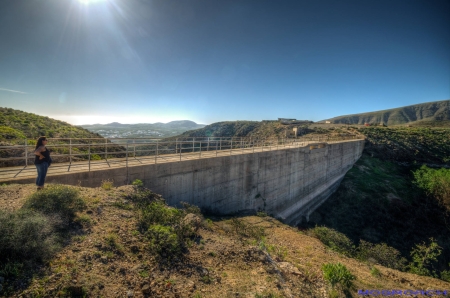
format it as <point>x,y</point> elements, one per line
<point>70,152</point>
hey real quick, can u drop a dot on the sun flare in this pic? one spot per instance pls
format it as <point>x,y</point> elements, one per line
<point>87,2</point>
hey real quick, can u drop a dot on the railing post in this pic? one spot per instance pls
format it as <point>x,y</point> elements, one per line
<point>26,152</point>
<point>176,146</point>
<point>220,139</point>
<point>231,146</point>
<point>181,148</point>
<point>106,149</point>
<point>134,148</point>
<point>70,151</point>
<point>89,156</point>
<point>193,144</point>
<point>216,148</point>
<point>200,154</point>
<point>207,148</point>
<point>126,159</point>
<point>156,153</point>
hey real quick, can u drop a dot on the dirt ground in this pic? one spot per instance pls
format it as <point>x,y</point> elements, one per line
<point>219,263</point>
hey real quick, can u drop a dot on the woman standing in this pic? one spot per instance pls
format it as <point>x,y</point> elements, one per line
<point>42,161</point>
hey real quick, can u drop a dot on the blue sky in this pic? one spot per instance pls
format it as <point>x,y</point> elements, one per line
<point>134,61</point>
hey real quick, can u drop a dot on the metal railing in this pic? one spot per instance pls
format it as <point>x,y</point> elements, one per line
<point>90,153</point>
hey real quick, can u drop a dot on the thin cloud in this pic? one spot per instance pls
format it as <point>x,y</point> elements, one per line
<point>1,89</point>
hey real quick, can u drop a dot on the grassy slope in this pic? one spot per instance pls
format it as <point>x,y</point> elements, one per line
<point>431,112</point>
<point>221,262</point>
<point>19,124</point>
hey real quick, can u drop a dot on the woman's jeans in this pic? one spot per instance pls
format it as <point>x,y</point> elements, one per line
<point>42,172</point>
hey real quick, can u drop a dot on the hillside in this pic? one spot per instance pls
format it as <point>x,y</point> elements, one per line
<point>431,113</point>
<point>18,124</point>
<point>255,129</point>
<point>118,130</point>
<point>108,250</point>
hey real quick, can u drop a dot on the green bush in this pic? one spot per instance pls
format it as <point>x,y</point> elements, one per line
<point>26,235</point>
<point>445,275</point>
<point>375,272</point>
<point>335,240</point>
<point>142,196</point>
<point>337,274</point>
<point>435,182</point>
<point>382,253</point>
<point>137,184</point>
<point>423,258</point>
<point>158,212</point>
<point>164,241</point>
<point>59,200</point>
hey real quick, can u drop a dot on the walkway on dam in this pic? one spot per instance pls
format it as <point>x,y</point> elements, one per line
<point>9,174</point>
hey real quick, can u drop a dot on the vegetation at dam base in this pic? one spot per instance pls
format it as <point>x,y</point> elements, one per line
<point>393,213</point>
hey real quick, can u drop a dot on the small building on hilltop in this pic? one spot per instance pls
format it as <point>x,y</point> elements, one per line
<point>293,121</point>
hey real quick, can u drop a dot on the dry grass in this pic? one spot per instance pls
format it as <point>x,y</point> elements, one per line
<point>109,258</point>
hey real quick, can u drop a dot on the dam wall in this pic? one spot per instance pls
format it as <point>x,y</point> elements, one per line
<point>289,183</point>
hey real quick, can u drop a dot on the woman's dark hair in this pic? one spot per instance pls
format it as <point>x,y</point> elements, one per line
<point>39,142</point>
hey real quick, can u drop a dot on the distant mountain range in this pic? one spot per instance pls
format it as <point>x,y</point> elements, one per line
<point>435,113</point>
<point>157,130</point>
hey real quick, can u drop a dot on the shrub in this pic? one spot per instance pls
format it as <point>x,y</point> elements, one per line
<point>246,230</point>
<point>163,241</point>
<point>423,257</point>
<point>137,184</point>
<point>335,240</point>
<point>112,243</point>
<point>435,182</point>
<point>107,184</point>
<point>59,200</point>
<point>337,274</point>
<point>84,220</point>
<point>375,272</point>
<point>385,255</point>
<point>445,275</point>
<point>158,213</point>
<point>143,197</point>
<point>26,235</point>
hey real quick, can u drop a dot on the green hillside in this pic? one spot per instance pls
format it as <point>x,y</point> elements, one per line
<point>430,114</point>
<point>18,124</point>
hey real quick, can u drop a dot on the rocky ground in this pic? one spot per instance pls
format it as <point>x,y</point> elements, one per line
<point>108,257</point>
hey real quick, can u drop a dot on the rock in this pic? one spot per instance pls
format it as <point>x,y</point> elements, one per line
<point>104,259</point>
<point>192,220</point>
<point>190,286</point>
<point>287,267</point>
<point>134,248</point>
<point>130,294</point>
<point>146,289</point>
<point>75,291</point>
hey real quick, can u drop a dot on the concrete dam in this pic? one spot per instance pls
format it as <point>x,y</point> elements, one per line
<point>288,183</point>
